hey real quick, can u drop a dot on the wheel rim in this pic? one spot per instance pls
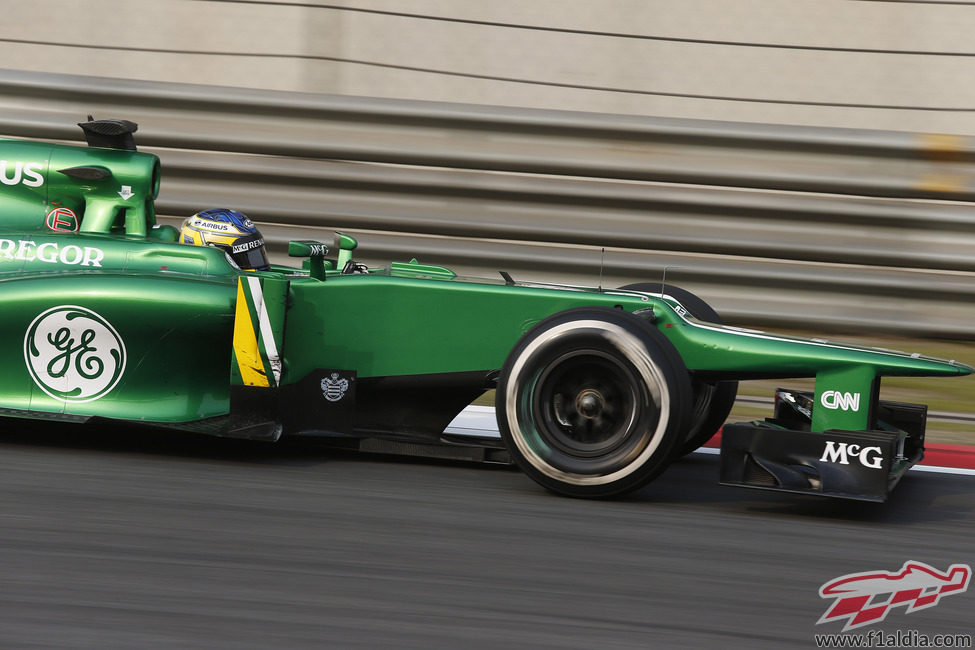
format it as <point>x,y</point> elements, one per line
<point>614,454</point>
<point>586,403</point>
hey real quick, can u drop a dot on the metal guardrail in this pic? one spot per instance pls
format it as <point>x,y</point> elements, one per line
<point>788,226</point>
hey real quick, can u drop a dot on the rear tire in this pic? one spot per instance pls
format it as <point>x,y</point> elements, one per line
<point>591,402</point>
<point>712,401</point>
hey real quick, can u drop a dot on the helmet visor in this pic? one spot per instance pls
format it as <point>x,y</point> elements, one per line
<point>248,252</point>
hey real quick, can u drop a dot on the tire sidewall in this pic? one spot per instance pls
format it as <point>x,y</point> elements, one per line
<point>643,354</point>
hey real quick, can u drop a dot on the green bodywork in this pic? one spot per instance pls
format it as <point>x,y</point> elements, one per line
<point>113,190</point>
<point>174,308</point>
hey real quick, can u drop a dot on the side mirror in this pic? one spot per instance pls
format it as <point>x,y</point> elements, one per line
<point>346,244</point>
<point>315,251</point>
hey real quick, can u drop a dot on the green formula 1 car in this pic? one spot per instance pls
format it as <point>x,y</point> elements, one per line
<point>107,316</point>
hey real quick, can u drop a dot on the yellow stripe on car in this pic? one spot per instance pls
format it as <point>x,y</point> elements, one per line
<point>248,353</point>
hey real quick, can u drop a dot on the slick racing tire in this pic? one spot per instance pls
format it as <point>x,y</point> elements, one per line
<point>712,401</point>
<point>592,401</point>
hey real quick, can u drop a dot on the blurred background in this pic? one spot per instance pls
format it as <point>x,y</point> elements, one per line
<point>843,63</point>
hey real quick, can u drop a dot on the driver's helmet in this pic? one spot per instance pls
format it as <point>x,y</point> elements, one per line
<point>231,231</point>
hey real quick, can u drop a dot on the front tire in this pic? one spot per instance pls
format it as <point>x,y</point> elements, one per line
<point>713,400</point>
<point>592,401</point>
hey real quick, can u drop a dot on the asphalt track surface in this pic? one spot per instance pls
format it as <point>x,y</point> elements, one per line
<point>135,539</point>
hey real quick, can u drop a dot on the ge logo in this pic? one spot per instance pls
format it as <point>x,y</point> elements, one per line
<point>73,354</point>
